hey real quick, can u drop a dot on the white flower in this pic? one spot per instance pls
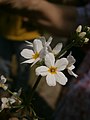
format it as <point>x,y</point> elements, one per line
<point>5,103</point>
<point>2,82</point>
<point>79,28</point>
<point>34,55</point>
<point>70,65</point>
<point>53,69</point>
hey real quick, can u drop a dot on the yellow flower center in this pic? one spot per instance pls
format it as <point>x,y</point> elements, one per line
<point>36,55</point>
<point>52,70</point>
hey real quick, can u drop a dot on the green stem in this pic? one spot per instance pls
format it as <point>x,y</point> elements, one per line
<point>34,87</point>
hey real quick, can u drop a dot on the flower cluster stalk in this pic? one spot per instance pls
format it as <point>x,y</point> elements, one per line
<point>34,87</point>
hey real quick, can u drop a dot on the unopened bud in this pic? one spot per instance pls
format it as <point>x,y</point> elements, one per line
<point>79,28</point>
<point>82,34</point>
<point>86,40</point>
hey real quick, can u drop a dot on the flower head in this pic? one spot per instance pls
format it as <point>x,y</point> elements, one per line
<point>53,69</point>
<point>2,83</point>
<point>70,65</point>
<point>34,55</point>
<point>5,103</point>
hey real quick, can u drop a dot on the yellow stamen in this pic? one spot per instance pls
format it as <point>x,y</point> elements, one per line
<point>52,70</point>
<point>36,55</point>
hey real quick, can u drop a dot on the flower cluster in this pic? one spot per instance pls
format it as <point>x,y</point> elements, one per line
<point>41,51</point>
<point>82,35</point>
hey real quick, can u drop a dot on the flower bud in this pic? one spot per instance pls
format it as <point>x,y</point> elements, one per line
<point>82,34</point>
<point>86,40</point>
<point>79,28</point>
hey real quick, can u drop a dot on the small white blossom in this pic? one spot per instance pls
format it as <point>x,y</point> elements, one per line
<point>53,69</point>
<point>2,83</point>
<point>79,28</point>
<point>70,65</point>
<point>5,103</point>
<point>34,55</point>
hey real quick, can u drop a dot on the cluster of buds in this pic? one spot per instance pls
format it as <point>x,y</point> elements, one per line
<point>82,35</point>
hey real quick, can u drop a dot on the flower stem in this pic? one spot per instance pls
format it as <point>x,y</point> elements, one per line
<point>35,86</point>
<point>14,94</point>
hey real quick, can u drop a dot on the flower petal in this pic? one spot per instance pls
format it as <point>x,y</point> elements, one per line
<point>26,53</point>
<point>61,78</point>
<point>61,64</point>
<point>57,48</point>
<point>49,41</point>
<point>4,100</point>
<point>37,44</point>
<point>70,59</point>
<point>49,59</point>
<point>35,61</point>
<point>71,67</point>
<point>29,43</point>
<point>28,61</point>
<point>42,70</point>
<point>50,79</point>
<point>72,73</point>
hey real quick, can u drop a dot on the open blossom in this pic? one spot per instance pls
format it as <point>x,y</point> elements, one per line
<point>53,69</point>
<point>34,55</point>
<point>6,102</point>
<point>70,65</point>
<point>2,83</point>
